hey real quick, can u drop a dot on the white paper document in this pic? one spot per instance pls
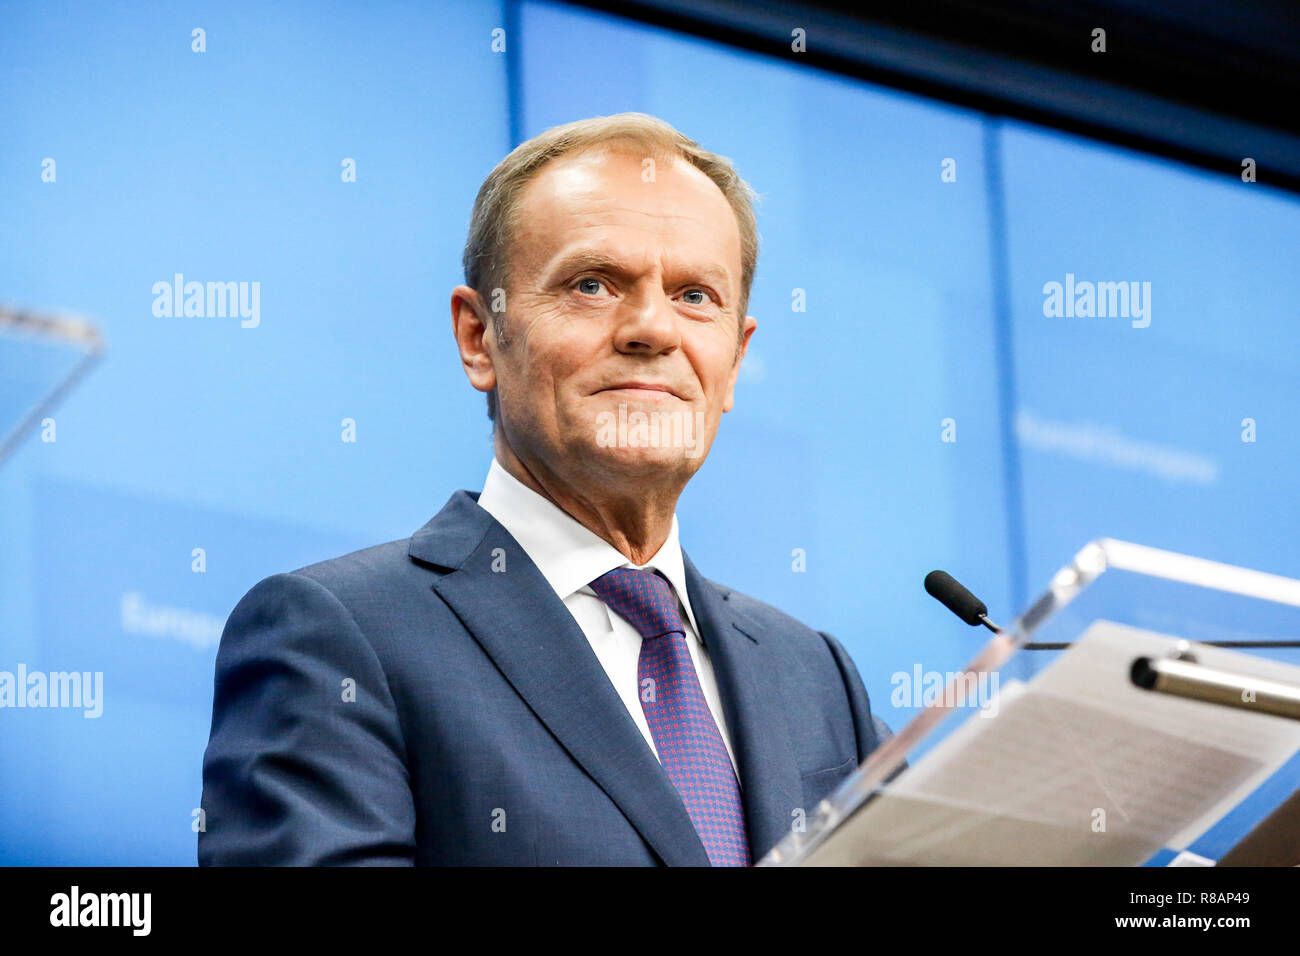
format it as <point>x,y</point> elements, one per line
<point>1077,766</point>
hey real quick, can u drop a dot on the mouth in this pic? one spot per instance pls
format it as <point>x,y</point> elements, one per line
<point>649,390</point>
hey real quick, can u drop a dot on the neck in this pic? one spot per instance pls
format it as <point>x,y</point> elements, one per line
<point>637,525</point>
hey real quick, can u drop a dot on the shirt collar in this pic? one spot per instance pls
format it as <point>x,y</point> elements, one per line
<point>570,555</point>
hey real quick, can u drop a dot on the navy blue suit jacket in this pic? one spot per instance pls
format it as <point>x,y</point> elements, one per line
<point>409,704</point>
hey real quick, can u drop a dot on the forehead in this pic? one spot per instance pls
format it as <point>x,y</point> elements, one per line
<point>602,196</point>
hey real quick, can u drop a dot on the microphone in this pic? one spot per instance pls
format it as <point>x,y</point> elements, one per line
<point>943,587</point>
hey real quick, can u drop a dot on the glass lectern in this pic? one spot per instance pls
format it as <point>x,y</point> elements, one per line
<point>1144,696</point>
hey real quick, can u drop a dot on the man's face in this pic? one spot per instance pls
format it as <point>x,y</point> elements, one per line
<point>623,293</point>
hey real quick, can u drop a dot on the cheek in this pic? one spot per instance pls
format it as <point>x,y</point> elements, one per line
<point>534,364</point>
<point>713,367</point>
<point>567,363</point>
<point>549,381</point>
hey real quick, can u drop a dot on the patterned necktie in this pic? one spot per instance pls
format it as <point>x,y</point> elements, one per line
<point>685,734</point>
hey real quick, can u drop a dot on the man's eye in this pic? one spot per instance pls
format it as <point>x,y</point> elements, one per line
<point>586,285</point>
<point>701,292</point>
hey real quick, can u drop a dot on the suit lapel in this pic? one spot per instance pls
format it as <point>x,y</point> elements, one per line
<point>533,639</point>
<point>747,682</point>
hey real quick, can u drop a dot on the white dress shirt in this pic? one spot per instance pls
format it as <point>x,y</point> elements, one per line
<point>570,557</point>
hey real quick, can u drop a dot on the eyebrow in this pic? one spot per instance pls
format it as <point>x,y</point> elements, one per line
<point>602,261</point>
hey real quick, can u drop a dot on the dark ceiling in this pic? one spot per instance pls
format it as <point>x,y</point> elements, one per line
<point>1204,83</point>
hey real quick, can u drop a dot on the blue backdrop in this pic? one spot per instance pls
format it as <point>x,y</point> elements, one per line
<point>921,236</point>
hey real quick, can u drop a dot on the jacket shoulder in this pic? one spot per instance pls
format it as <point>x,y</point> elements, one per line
<point>376,559</point>
<point>376,572</point>
<point>768,618</point>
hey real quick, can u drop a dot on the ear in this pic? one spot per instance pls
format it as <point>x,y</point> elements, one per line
<point>474,337</point>
<point>751,324</point>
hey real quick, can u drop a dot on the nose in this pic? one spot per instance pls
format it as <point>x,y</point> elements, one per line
<point>647,324</point>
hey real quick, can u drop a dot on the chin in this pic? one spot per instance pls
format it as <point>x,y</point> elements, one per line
<point>645,462</point>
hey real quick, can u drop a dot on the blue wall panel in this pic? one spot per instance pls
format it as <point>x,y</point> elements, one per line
<point>924,303</point>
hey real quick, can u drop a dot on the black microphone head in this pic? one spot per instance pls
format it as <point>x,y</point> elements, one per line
<point>944,588</point>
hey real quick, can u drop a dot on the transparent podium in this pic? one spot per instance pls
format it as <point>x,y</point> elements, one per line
<point>1141,699</point>
<point>43,356</point>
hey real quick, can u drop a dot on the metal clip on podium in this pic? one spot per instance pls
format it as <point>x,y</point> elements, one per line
<point>1138,701</point>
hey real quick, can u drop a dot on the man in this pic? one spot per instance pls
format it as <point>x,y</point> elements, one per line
<point>540,675</point>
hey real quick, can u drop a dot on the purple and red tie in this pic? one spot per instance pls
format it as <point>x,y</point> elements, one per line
<point>685,734</point>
